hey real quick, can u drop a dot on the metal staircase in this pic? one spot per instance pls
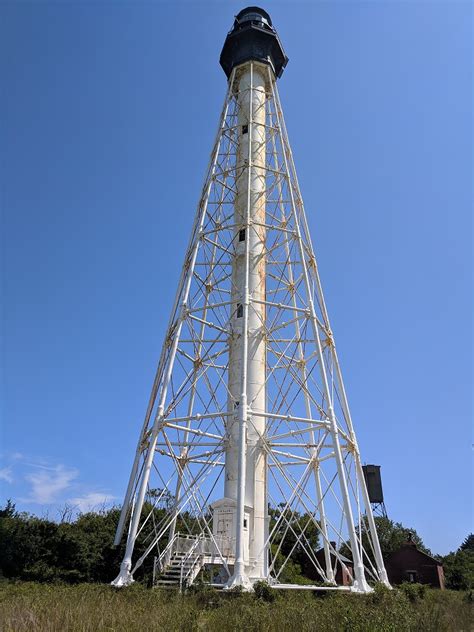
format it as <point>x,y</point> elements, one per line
<point>177,567</point>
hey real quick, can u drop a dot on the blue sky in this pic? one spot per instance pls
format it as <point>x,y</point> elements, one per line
<point>107,119</point>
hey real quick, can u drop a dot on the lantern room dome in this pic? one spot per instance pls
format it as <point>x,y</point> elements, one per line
<point>253,38</point>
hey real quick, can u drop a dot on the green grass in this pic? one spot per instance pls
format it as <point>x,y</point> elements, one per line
<point>32,607</point>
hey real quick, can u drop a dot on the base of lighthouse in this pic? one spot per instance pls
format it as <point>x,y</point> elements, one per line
<point>224,522</point>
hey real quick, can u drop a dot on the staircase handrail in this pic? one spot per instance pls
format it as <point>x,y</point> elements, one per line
<point>166,550</point>
<point>189,555</point>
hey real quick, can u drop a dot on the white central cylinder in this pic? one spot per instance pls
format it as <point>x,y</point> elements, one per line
<point>249,205</point>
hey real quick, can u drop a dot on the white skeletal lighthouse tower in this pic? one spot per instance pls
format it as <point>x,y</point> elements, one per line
<point>247,466</point>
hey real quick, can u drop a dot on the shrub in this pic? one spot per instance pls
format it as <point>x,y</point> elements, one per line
<point>381,593</point>
<point>264,591</point>
<point>414,592</point>
<point>459,569</point>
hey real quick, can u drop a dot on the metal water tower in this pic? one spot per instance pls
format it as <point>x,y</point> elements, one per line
<point>248,427</point>
<point>373,482</point>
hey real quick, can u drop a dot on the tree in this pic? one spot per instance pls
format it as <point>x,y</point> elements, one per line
<point>9,510</point>
<point>392,535</point>
<point>459,566</point>
<point>28,546</point>
<point>79,549</point>
<point>468,544</point>
<point>297,532</point>
<point>42,550</point>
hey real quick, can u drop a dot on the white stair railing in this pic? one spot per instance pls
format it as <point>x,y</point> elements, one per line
<point>190,562</point>
<point>165,554</point>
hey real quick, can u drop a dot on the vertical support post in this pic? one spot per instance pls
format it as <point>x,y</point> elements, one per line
<point>344,402</point>
<point>124,577</point>
<point>360,583</point>
<point>185,450</point>
<point>324,528</point>
<point>322,513</point>
<point>162,362</point>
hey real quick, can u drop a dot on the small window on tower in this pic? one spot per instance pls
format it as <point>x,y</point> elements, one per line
<point>245,129</point>
<point>240,310</point>
<point>242,234</point>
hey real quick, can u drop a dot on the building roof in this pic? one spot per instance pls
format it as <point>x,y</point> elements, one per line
<point>410,545</point>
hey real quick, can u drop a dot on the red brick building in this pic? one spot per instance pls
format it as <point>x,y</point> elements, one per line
<point>343,574</point>
<point>408,564</point>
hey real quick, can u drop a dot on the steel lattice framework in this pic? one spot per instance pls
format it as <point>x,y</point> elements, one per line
<point>296,421</point>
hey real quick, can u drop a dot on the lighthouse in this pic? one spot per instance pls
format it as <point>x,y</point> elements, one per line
<point>247,460</point>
